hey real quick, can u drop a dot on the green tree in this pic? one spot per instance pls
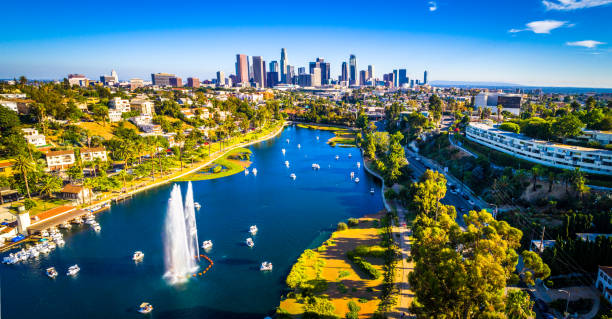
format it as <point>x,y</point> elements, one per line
<point>510,127</point>
<point>24,166</point>
<point>50,184</point>
<point>567,126</point>
<point>519,305</point>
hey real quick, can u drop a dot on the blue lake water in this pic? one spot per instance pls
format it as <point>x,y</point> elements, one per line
<point>291,215</point>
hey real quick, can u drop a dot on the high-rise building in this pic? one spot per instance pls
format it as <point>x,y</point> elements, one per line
<point>325,69</point>
<point>371,73</point>
<point>344,75</point>
<point>301,70</point>
<point>403,79</point>
<point>259,71</point>
<point>353,70</point>
<point>242,69</point>
<point>304,79</point>
<point>363,74</point>
<point>176,82</point>
<point>193,82</point>
<point>273,66</point>
<point>136,83</point>
<point>220,78</point>
<point>389,79</point>
<point>395,78</point>
<point>162,79</point>
<point>284,63</point>
<point>425,77</point>
<point>316,77</point>
<point>114,75</point>
<point>290,74</point>
<point>272,79</point>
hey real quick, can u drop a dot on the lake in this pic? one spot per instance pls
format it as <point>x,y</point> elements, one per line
<point>291,215</point>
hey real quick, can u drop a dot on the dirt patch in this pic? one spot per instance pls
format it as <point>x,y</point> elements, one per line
<point>557,192</point>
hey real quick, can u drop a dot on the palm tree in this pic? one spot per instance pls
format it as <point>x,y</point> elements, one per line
<point>551,180</point>
<point>49,185</point>
<point>96,165</point>
<point>24,165</point>
<point>499,110</point>
<point>89,183</point>
<point>139,147</point>
<point>535,172</point>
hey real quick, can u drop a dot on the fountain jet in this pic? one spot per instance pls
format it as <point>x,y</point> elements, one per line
<point>190,223</point>
<point>179,261</point>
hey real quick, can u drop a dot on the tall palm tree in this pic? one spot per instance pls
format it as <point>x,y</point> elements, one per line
<point>50,184</point>
<point>89,183</point>
<point>499,110</point>
<point>96,164</point>
<point>125,152</point>
<point>535,172</point>
<point>139,148</point>
<point>24,165</point>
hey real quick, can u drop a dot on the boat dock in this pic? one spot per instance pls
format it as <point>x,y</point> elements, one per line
<point>56,216</point>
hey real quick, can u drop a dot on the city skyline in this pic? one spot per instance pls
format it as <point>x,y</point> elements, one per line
<point>541,43</point>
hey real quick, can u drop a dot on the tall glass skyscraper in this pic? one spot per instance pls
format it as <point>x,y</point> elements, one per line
<point>283,64</point>
<point>353,70</point>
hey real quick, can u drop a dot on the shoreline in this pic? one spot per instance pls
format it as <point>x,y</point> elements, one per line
<point>216,156</point>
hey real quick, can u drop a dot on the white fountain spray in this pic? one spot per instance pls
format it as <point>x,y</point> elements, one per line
<point>180,262</point>
<point>190,223</point>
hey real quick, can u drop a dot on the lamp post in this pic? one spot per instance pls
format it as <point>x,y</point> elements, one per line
<point>567,303</point>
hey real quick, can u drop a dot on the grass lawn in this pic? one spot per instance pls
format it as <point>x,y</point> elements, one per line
<point>333,276</point>
<point>343,139</point>
<point>322,127</point>
<point>41,204</point>
<point>229,166</point>
<point>106,131</point>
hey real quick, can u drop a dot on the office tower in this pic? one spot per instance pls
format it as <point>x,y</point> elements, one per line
<point>363,74</point>
<point>371,73</point>
<point>161,79</point>
<point>353,70</point>
<point>176,82</point>
<point>396,78</point>
<point>273,66</point>
<point>220,78</point>
<point>325,69</point>
<point>272,79</point>
<point>389,79</point>
<point>425,77</point>
<point>193,82</point>
<point>344,75</point>
<point>290,74</point>
<point>401,77</point>
<point>242,69</point>
<point>284,63</point>
<point>301,70</point>
<point>259,71</point>
<point>316,77</point>
<point>412,83</point>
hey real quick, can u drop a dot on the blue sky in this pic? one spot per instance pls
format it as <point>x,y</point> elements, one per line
<point>530,42</point>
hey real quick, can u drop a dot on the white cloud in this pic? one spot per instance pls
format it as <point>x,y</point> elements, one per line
<point>573,4</point>
<point>591,44</point>
<point>544,26</point>
<point>433,6</point>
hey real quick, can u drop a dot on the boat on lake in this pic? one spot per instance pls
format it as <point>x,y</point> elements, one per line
<point>337,157</point>
<point>207,244</point>
<point>145,308</point>
<point>96,227</point>
<point>51,272</point>
<point>350,155</point>
<point>253,230</point>
<point>357,180</point>
<point>266,266</point>
<point>358,165</point>
<point>287,140</point>
<point>246,172</point>
<point>249,242</point>
<point>65,225</point>
<point>254,170</point>
<point>299,146</point>
<point>352,175</point>
<point>138,256</point>
<point>316,166</point>
<point>292,175</point>
<point>197,205</point>
<point>283,150</point>
<point>372,191</point>
<point>73,270</point>
<point>77,221</point>
<point>287,163</point>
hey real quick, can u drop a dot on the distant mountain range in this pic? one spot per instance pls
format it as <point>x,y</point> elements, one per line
<point>512,86</point>
<point>475,83</point>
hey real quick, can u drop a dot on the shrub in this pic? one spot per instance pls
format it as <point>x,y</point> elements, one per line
<point>353,307</point>
<point>352,222</point>
<point>343,273</point>
<point>217,169</point>
<point>366,267</point>
<point>28,203</point>
<point>342,226</point>
<point>318,307</point>
<point>510,127</point>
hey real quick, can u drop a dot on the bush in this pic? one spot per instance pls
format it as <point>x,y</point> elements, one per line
<point>352,222</point>
<point>217,169</point>
<point>28,203</point>
<point>366,267</point>
<point>342,226</point>
<point>353,310</point>
<point>510,127</point>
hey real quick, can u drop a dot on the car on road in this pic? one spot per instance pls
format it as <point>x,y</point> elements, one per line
<point>471,202</point>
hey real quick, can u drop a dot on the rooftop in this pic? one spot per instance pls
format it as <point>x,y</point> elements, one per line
<point>58,153</point>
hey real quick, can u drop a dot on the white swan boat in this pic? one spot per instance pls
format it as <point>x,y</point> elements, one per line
<point>207,244</point>
<point>299,146</point>
<point>356,179</point>
<point>246,171</point>
<point>350,155</point>
<point>73,270</point>
<point>96,227</point>
<point>249,242</point>
<point>287,163</point>
<point>358,164</point>
<point>138,256</point>
<point>337,157</point>
<point>283,150</point>
<point>266,266</point>
<point>51,272</point>
<point>352,175</point>
<point>316,166</point>
<point>253,230</point>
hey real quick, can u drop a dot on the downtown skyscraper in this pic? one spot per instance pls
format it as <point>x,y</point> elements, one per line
<point>284,63</point>
<point>344,74</point>
<point>353,70</point>
<point>259,71</point>
<point>242,68</point>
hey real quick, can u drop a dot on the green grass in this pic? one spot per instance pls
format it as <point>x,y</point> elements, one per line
<point>42,204</point>
<point>321,127</point>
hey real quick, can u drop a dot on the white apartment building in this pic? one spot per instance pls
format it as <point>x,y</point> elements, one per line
<point>145,107</point>
<point>490,100</point>
<point>32,136</point>
<point>589,160</point>
<point>114,115</point>
<point>601,137</point>
<point>604,282</point>
<point>60,160</point>
<point>89,154</point>
<point>11,105</point>
<point>120,104</point>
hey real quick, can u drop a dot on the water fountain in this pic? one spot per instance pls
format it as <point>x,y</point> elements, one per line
<point>190,223</point>
<point>179,260</point>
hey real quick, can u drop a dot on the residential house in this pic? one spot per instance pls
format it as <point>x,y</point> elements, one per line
<point>604,282</point>
<point>120,104</point>
<point>32,136</point>
<point>60,160</point>
<point>114,115</point>
<point>90,154</point>
<point>6,168</point>
<point>145,107</point>
<point>77,193</point>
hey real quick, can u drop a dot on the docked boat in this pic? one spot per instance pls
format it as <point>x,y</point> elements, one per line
<point>65,225</point>
<point>372,191</point>
<point>292,175</point>
<point>10,259</point>
<point>145,308</point>
<point>44,233</point>
<point>90,220</point>
<point>316,166</point>
<point>352,175</point>
<point>253,230</point>
<point>246,172</point>
<point>51,272</point>
<point>356,179</point>
<point>207,244</point>
<point>77,221</point>
<point>73,270</point>
<point>254,170</point>
<point>197,205</point>
<point>287,163</point>
<point>96,227</point>
<point>337,157</point>
<point>249,242</point>
<point>266,266</point>
<point>138,256</point>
